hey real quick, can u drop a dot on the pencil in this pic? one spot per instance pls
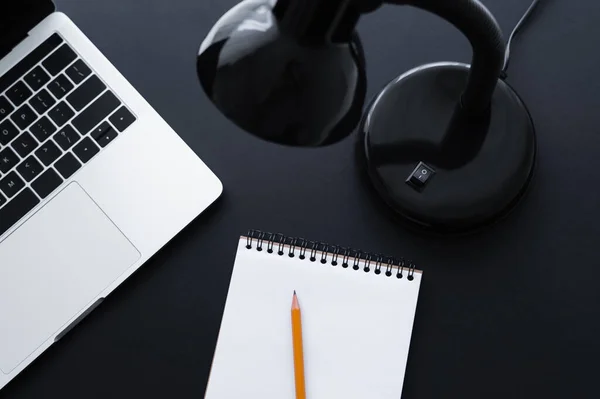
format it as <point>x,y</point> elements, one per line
<point>298,349</point>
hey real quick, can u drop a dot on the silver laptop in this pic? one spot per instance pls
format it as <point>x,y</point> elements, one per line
<point>93,181</point>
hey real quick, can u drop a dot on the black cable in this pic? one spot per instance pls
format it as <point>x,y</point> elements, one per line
<point>514,33</point>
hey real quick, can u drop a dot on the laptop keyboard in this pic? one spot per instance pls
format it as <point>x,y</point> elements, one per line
<point>55,116</point>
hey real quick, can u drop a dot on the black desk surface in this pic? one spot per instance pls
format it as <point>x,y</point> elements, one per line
<point>510,313</point>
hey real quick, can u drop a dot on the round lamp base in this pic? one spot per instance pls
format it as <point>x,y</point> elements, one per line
<point>438,169</point>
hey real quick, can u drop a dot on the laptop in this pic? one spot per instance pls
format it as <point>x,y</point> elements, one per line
<point>93,181</point>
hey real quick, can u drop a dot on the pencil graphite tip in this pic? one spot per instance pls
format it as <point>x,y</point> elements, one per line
<point>295,303</point>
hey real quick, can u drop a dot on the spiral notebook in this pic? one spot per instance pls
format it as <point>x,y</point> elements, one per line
<point>357,315</point>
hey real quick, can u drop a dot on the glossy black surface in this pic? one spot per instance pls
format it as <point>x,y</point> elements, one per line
<point>483,163</point>
<point>508,313</point>
<point>286,73</point>
<point>271,82</point>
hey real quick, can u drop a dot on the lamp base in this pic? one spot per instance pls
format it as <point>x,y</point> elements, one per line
<point>439,169</point>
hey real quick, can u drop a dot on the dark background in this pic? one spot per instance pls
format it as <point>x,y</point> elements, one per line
<point>510,313</point>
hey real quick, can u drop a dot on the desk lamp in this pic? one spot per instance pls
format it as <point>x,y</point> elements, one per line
<point>449,147</point>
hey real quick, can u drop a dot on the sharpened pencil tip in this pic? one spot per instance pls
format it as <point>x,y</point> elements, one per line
<point>295,303</point>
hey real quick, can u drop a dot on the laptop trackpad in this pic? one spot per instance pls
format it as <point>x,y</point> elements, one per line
<point>53,267</point>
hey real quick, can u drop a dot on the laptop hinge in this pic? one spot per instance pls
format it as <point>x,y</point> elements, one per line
<point>11,44</point>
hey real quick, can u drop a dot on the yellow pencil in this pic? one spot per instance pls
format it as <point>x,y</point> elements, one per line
<point>298,350</point>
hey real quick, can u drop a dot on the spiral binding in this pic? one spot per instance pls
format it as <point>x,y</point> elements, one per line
<point>334,255</point>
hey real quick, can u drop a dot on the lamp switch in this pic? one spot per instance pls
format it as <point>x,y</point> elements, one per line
<point>420,176</point>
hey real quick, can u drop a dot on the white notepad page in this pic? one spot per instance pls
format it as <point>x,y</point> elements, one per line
<point>356,328</point>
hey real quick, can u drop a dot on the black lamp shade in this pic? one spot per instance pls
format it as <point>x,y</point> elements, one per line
<point>281,87</point>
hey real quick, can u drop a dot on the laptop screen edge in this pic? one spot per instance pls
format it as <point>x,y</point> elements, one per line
<point>18,17</point>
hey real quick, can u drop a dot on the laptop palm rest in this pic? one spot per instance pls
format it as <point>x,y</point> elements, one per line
<point>55,266</point>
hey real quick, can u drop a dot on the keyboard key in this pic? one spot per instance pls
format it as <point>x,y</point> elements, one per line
<point>122,119</point>
<point>85,93</point>
<point>19,93</point>
<point>42,101</point>
<point>78,72</point>
<point>42,129</point>
<point>59,60</point>
<point>2,201</point>
<point>5,108</point>
<point>30,168</point>
<point>60,86</point>
<point>61,114</point>
<point>16,209</point>
<point>24,144</point>
<point>66,137</point>
<point>86,149</point>
<point>10,77</point>
<point>67,165</point>
<point>37,78</point>
<point>11,184</point>
<point>96,112</point>
<point>8,160</point>
<point>104,134</point>
<point>47,183</point>
<point>48,153</point>
<point>100,130</point>
<point>8,131</point>
<point>24,117</point>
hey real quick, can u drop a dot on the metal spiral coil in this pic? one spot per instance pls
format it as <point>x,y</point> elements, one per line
<point>314,251</point>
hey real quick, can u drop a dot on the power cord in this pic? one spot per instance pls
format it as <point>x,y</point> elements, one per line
<point>514,33</point>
